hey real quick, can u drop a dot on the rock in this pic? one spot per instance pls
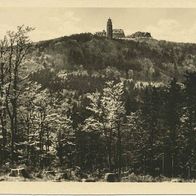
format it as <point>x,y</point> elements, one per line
<point>2,179</point>
<point>19,172</point>
<point>89,180</point>
<point>111,177</point>
<point>176,180</point>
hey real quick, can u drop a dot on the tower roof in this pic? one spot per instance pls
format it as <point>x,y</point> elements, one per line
<point>109,19</point>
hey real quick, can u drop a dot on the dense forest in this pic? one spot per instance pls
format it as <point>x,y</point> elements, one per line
<point>94,106</point>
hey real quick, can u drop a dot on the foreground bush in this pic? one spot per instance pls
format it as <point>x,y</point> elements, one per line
<point>143,178</point>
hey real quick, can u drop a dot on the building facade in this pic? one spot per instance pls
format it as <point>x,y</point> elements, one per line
<point>101,33</point>
<point>109,29</point>
<point>111,33</point>
<point>118,33</point>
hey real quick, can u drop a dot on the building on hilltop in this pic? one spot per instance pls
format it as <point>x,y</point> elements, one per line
<point>101,33</point>
<point>140,34</point>
<point>111,33</point>
<point>118,33</point>
<point>109,29</point>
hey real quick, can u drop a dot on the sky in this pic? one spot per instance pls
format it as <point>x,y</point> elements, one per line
<point>172,24</point>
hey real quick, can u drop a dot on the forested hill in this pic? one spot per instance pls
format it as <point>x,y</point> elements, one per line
<point>82,106</point>
<point>143,59</point>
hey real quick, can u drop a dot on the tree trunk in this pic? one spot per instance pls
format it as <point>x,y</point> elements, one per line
<point>119,151</point>
<point>3,110</point>
<point>28,141</point>
<point>110,151</point>
<point>14,128</point>
<point>12,139</point>
<point>4,132</point>
<point>41,146</point>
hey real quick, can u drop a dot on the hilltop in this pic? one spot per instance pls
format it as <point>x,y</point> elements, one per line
<point>144,59</point>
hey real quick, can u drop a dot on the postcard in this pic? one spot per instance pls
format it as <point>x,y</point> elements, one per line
<point>97,97</point>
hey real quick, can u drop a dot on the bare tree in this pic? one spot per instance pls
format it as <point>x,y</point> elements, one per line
<point>14,49</point>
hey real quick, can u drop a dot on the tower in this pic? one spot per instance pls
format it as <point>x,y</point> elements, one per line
<point>109,29</point>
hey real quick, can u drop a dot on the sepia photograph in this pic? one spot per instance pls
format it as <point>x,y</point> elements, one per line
<point>97,94</point>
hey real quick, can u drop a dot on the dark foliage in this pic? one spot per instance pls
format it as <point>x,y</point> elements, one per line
<point>97,106</point>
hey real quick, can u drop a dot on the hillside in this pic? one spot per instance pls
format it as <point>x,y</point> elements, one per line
<point>141,59</point>
<point>84,107</point>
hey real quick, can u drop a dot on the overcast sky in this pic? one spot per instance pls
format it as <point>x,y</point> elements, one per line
<point>173,24</point>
